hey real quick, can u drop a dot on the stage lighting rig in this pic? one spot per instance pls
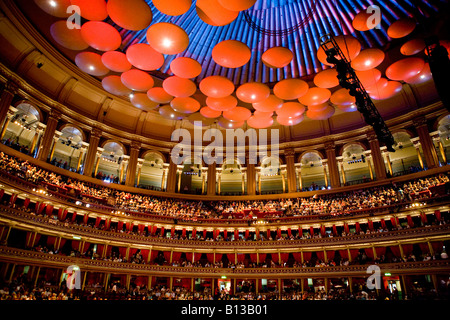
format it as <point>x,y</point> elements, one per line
<point>348,80</point>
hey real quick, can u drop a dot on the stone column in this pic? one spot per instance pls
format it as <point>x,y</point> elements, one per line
<point>5,126</point>
<point>49,133</point>
<point>290,170</point>
<point>52,150</point>
<point>219,181</point>
<point>211,185</point>
<point>325,175</point>
<point>203,181</point>
<point>6,99</point>
<point>123,165</point>
<point>428,149</point>
<point>332,165</point>
<point>34,143</point>
<point>388,161</point>
<point>171,177</point>
<point>91,155</point>
<point>163,178</point>
<point>378,162</point>
<point>80,158</point>
<point>251,178</point>
<point>341,163</point>
<point>132,163</point>
<point>437,139</point>
<point>98,158</point>
<point>300,182</point>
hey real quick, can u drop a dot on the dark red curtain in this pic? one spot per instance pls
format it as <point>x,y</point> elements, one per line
<point>167,255</point>
<point>123,251</point>
<point>383,224</point>
<point>141,228</point>
<point>51,241</point>
<point>231,257</point>
<point>236,234</point>
<point>176,256</point>
<point>369,253</point>
<point>218,257</point>
<point>253,257</point>
<point>424,247</point>
<point>194,233</point>
<point>49,210</point>
<point>437,213</point>
<point>300,232</point>
<point>25,204</point>
<point>380,251</point>
<point>354,253</point>
<point>410,221</point>
<point>100,248</point>
<point>120,225</point>
<point>262,257</point>
<point>183,232</point>
<point>13,199</point>
<point>320,255</point>
<point>297,256</point>
<point>357,227</point>
<point>278,233</point>
<point>210,257</point>
<point>85,218</point>
<point>75,244</point>
<point>247,234</point>
<point>423,216</point>
<point>311,231</point>
<point>407,249</point>
<point>86,247</point>
<point>343,254</point>
<point>346,228</point>
<point>41,208</point>
<point>307,256</point>
<point>62,242</point>
<point>36,206</point>
<point>268,233</point>
<point>74,216</point>
<point>133,251</point>
<point>172,232</point>
<point>334,230</point>
<point>437,246</point>
<point>330,254</point>
<point>225,234</point>
<point>2,193</point>
<point>393,222</point>
<point>396,251</point>
<point>129,226</point>
<point>284,256</point>
<point>289,231</point>
<point>154,254</point>
<point>240,257</point>
<point>257,234</point>
<point>97,221</point>
<point>370,224</point>
<point>161,231</point>
<point>197,256</point>
<point>204,234</point>
<point>275,257</point>
<point>107,224</point>
<point>144,253</point>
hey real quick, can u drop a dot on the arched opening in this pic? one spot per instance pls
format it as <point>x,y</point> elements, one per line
<point>21,130</point>
<point>190,178</point>
<point>404,160</point>
<point>271,177</point>
<point>231,178</point>
<point>152,171</point>
<point>354,167</point>
<point>67,149</point>
<point>111,167</point>
<point>312,172</point>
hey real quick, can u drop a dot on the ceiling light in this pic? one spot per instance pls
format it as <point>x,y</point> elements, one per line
<point>171,115</point>
<point>53,3</point>
<point>167,42</point>
<point>91,68</point>
<point>131,95</point>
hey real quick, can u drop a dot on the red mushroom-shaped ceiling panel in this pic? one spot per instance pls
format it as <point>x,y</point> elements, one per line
<point>101,35</point>
<point>405,68</point>
<point>207,112</point>
<point>290,89</point>
<point>326,79</point>
<point>258,114</point>
<point>167,112</point>
<point>92,9</point>
<point>130,14</point>
<point>381,83</point>
<point>253,92</point>
<point>116,61</point>
<point>363,21</point>
<point>221,104</point>
<point>237,5</point>
<point>342,97</point>
<point>216,87</point>
<point>173,7</point>
<point>388,91</point>
<point>348,108</point>
<point>237,114</point>
<point>91,63</point>
<point>227,124</point>
<point>291,110</point>
<point>114,85</point>
<point>185,105</point>
<point>167,38</point>
<point>259,122</point>
<point>68,38</point>
<point>290,121</point>
<point>277,57</point>
<point>270,104</point>
<point>56,8</point>
<point>412,47</point>
<point>318,107</point>
<point>315,96</point>
<point>144,57</point>
<point>137,80</point>
<point>231,54</point>
<point>369,77</point>
<point>401,28</point>
<point>179,87</point>
<point>349,45</point>
<point>321,115</point>
<point>368,59</point>
<point>141,101</point>
<point>197,118</point>
<point>213,13</point>
<point>159,95</point>
<point>423,76</point>
<point>185,67</point>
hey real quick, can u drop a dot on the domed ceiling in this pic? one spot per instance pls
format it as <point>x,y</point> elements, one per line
<point>240,62</point>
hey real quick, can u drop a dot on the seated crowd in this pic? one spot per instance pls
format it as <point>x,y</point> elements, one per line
<point>187,210</point>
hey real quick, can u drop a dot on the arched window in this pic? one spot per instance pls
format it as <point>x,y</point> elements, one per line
<point>68,148</point>
<point>312,171</point>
